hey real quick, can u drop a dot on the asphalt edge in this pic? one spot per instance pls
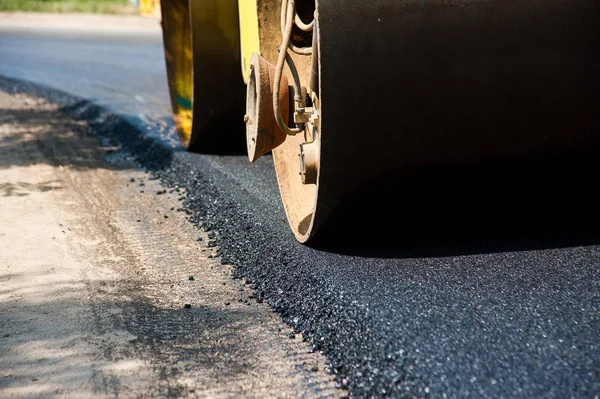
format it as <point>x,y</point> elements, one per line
<point>330,334</point>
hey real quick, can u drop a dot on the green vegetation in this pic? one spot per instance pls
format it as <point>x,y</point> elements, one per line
<point>80,6</point>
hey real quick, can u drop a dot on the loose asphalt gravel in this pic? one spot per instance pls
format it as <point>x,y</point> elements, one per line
<point>480,280</point>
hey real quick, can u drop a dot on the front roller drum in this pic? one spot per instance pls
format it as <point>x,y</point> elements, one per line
<point>402,84</point>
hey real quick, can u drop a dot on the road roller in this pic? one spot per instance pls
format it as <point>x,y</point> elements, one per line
<point>343,92</point>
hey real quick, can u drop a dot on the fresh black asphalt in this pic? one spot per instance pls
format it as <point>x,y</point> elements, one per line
<point>465,281</point>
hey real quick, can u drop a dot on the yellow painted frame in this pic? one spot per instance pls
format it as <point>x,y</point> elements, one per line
<point>150,8</point>
<point>249,39</point>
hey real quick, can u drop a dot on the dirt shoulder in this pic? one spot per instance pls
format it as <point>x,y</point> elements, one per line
<point>106,290</point>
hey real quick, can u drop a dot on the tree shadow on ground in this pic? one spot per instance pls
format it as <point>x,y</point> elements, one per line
<point>22,189</point>
<point>52,135</point>
<point>42,348</point>
<point>64,130</point>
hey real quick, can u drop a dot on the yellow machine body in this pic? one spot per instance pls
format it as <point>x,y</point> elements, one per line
<point>249,39</point>
<point>150,8</point>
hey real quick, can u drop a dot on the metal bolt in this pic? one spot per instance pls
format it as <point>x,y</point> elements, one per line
<point>246,118</point>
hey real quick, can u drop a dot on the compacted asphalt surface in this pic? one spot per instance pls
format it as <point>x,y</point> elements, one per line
<point>475,280</point>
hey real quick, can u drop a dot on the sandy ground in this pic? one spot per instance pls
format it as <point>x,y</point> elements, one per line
<point>105,290</point>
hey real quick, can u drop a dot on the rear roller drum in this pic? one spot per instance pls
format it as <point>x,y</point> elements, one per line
<point>202,52</point>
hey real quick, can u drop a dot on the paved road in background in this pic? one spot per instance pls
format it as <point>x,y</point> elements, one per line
<point>115,62</point>
<point>478,283</point>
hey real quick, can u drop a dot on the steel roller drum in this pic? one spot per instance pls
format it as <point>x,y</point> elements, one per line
<point>410,83</point>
